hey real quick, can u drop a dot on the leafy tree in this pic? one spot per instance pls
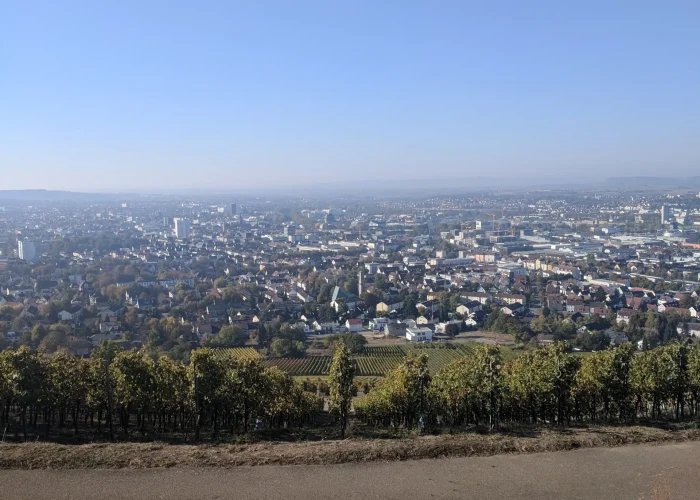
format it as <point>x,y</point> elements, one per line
<point>351,285</point>
<point>55,340</point>
<point>173,392</point>
<point>340,382</point>
<point>207,375</point>
<point>355,343</point>
<point>133,374</point>
<point>68,385</point>
<point>283,348</point>
<point>468,390</point>
<point>452,329</point>
<point>24,375</point>
<point>409,307</point>
<point>228,336</point>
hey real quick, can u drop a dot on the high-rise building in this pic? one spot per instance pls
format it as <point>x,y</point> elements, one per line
<point>228,209</point>
<point>26,250</point>
<point>182,228</point>
<point>664,214</point>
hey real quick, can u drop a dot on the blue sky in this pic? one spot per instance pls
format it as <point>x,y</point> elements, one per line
<point>153,96</point>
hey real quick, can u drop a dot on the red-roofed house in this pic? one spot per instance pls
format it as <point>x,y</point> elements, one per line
<point>353,325</point>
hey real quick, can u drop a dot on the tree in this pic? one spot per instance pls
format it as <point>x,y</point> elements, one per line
<point>133,374</point>
<point>228,336</point>
<point>355,343</point>
<point>25,375</point>
<point>248,385</point>
<point>68,386</point>
<point>207,375</point>
<point>409,307</point>
<point>100,386</point>
<point>469,389</point>
<point>351,285</point>
<point>452,329</point>
<point>55,340</point>
<point>50,311</point>
<point>686,301</point>
<point>38,334</point>
<point>380,281</point>
<point>263,337</point>
<point>340,382</point>
<point>284,348</point>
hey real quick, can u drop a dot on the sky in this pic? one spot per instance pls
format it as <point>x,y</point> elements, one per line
<point>157,96</point>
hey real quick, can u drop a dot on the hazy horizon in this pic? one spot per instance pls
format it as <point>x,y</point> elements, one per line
<point>156,98</point>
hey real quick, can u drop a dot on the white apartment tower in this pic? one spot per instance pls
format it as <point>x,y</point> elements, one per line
<point>26,250</point>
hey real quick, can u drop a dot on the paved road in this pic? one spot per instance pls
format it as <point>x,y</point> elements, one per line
<point>668,472</point>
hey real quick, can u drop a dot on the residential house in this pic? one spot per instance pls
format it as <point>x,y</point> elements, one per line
<point>468,308</point>
<point>396,329</point>
<point>625,315</point>
<point>442,327</point>
<point>378,324</point>
<point>481,297</point>
<point>505,298</point>
<point>422,320</point>
<point>328,327</point>
<point>70,314</point>
<point>516,309</point>
<point>391,304</point>
<point>419,334</point>
<point>598,308</point>
<point>616,338</point>
<point>693,329</point>
<point>353,325</point>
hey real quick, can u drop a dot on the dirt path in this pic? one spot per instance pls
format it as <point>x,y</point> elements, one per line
<point>664,472</point>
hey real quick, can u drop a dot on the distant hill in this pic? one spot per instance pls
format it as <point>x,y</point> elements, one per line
<point>36,195</point>
<point>655,182</point>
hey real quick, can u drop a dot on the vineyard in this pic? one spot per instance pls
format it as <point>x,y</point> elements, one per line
<point>375,361</point>
<point>311,366</point>
<point>239,353</point>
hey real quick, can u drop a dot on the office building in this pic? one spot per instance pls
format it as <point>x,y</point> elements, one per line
<point>26,250</point>
<point>664,214</point>
<point>182,228</point>
<point>229,209</point>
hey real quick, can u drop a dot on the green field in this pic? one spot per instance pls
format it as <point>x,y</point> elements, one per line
<point>374,362</point>
<point>238,353</point>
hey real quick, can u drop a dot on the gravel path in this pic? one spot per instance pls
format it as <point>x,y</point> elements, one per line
<point>648,472</point>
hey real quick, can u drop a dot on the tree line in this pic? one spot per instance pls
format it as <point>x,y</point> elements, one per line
<point>116,392</point>
<point>125,393</point>
<point>541,386</point>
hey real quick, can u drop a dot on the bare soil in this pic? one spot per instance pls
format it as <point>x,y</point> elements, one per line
<point>155,455</point>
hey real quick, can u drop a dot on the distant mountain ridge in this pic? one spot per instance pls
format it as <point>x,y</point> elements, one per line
<point>423,187</point>
<point>655,182</point>
<point>49,195</point>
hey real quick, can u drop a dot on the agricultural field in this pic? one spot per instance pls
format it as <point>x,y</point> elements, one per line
<point>238,353</point>
<point>376,361</point>
<point>309,365</point>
